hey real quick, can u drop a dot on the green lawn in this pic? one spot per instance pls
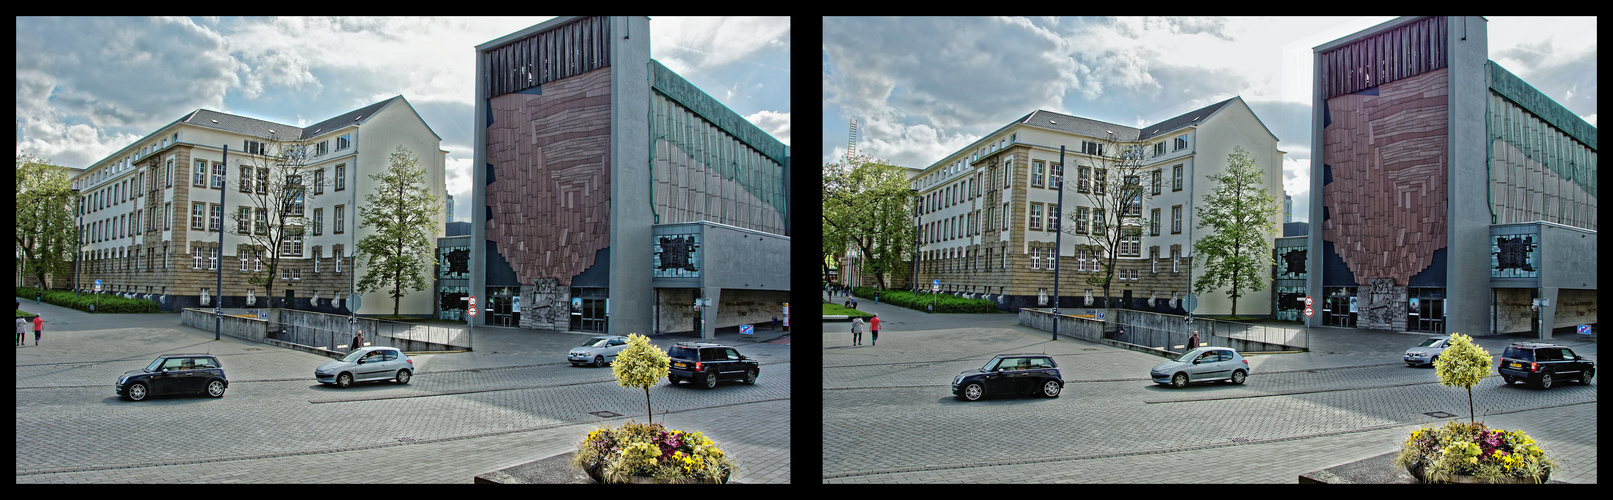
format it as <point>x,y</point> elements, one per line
<point>838,310</point>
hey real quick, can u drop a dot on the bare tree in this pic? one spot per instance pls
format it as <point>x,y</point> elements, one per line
<point>1107,212</point>
<point>275,181</point>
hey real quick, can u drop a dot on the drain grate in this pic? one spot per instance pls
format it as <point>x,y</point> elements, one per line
<point>1438,414</point>
<point>1240,440</point>
<point>605,414</point>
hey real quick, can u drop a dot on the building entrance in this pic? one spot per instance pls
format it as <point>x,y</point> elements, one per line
<point>1426,313</point>
<point>1338,307</point>
<point>589,309</point>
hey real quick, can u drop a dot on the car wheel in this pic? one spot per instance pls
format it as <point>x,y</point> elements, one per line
<point>1238,377</point>
<point>1179,381</point>
<point>1508,380</point>
<point>972,392</point>
<point>599,361</point>
<point>1051,388</point>
<point>137,391</point>
<point>750,376</point>
<point>710,380</point>
<point>344,380</point>
<point>1545,381</point>
<point>215,389</point>
<point>671,380</point>
<point>1585,376</point>
<point>1432,360</point>
<point>403,376</point>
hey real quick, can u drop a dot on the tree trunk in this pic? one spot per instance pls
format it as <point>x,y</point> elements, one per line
<point>647,404</point>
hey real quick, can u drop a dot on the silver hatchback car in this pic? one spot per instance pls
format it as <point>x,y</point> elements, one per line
<point>1202,365</point>
<point>366,365</point>
<point>598,350</point>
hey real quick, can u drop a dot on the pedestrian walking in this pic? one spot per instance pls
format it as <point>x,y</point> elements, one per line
<point>873,327</point>
<point>1193,342</point>
<point>358,341</point>
<point>39,324</point>
<point>856,331</point>
<point>22,328</point>
<point>37,294</point>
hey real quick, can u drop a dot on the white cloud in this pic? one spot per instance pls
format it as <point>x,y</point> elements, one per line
<point>775,123</point>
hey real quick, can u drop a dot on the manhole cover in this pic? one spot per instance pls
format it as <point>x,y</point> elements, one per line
<point>1240,440</point>
<point>406,440</point>
<point>1438,414</point>
<point>605,414</point>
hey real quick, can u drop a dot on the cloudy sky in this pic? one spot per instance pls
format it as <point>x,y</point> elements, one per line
<point>89,86</point>
<point>924,87</point>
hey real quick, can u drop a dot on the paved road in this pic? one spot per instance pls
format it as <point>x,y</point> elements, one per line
<point>889,415</point>
<point>514,400</point>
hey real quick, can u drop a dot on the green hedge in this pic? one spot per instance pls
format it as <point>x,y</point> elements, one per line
<point>922,301</point>
<point>106,303</point>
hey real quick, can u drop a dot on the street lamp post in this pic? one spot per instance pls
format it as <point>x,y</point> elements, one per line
<point>218,293</point>
<point>78,238</point>
<point>917,223</point>
<point>1058,244</point>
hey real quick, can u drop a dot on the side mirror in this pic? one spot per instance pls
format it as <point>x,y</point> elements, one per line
<point>1195,361</point>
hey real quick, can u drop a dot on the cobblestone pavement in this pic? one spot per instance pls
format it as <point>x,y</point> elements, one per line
<point>889,415</point>
<point>513,400</point>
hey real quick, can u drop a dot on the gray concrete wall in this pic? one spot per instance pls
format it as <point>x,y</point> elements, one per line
<point>1467,277</point>
<point>631,214</point>
<point>741,259</point>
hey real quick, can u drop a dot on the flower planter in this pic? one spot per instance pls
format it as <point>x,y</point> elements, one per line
<point>1418,469</point>
<point>593,472</point>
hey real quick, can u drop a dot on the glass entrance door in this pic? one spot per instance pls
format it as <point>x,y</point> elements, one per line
<point>1428,316</point>
<point>588,309</point>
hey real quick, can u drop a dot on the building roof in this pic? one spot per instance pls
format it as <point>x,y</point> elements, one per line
<point>261,128</point>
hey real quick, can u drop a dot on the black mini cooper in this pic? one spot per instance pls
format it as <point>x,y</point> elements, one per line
<point>174,374</point>
<point>1019,374</point>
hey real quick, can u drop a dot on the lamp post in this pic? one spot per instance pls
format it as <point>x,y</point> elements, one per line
<point>1058,244</point>
<point>917,223</point>
<point>218,263</point>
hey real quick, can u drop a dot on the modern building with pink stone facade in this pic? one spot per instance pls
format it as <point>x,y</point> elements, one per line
<point>613,194</point>
<point>1452,193</point>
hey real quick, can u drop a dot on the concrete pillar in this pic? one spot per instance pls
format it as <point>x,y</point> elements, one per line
<point>708,315</point>
<point>1548,313</point>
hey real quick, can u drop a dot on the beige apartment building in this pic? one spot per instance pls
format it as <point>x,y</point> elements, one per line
<point>150,216</point>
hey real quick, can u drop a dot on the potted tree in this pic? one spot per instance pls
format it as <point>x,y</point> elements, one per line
<point>649,453</point>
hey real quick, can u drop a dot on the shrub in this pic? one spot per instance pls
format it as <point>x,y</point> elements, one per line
<point>1474,450</point>
<point>104,303</point>
<point>943,303</point>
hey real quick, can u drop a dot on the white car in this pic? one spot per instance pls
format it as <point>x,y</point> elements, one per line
<point>1426,352</point>
<point>367,365</point>
<point>597,351</point>
<point>1202,365</point>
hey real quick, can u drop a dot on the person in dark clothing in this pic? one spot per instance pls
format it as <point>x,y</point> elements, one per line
<point>1193,342</point>
<point>358,341</point>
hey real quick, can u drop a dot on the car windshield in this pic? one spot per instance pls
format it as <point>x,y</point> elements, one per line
<point>353,356</point>
<point>1430,342</point>
<point>683,353</point>
<point>991,365</point>
<point>1189,356</point>
<point>154,364</point>
<point>596,342</point>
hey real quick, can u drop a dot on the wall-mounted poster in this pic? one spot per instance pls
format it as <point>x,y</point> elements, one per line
<point>1352,305</point>
<point>576,306</point>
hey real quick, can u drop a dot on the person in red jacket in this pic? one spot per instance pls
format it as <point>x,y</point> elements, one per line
<point>39,324</point>
<point>873,327</point>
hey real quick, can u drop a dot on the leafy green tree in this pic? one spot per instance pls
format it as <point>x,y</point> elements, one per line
<point>1463,364</point>
<point>867,206</point>
<point>1236,253</point>
<point>404,214</point>
<point>45,231</point>
<point>641,365</point>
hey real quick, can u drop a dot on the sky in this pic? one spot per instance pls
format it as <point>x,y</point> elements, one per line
<point>921,88</point>
<point>89,86</point>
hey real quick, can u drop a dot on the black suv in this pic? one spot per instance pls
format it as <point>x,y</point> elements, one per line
<point>1544,364</point>
<point>174,374</point>
<point>707,363</point>
<point>1010,374</point>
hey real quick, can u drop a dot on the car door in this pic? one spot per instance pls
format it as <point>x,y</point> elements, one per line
<point>167,380</point>
<point>1207,366</point>
<point>1567,367</point>
<point>998,380</point>
<point>372,368</point>
<point>731,368</point>
<point>614,347</point>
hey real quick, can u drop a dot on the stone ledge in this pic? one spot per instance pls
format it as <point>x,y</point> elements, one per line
<point>553,470</point>
<point>1375,470</point>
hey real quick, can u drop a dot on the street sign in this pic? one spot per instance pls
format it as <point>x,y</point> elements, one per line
<point>353,302</point>
<point>934,287</point>
<point>747,330</point>
<point>473,302</point>
<point>1582,329</point>
<point>1190,303</point>
<point>97,285</point>
<point>1309,312</point>
<point>471,311</point>
<point>1307,301</point>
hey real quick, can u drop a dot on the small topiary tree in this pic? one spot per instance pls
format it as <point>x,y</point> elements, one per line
<point>641,365</point>
<point>1463,364</point>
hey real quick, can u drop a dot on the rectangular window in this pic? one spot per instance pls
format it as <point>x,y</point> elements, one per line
<point>1038,169</point>
<point>263,181</point>
<point>344,141</point>
<point>1176,178</point>
<point>319,222</point>
<point>212,259</point>
<point>1176,261</point>
<point>1098,181</point>
<point>1157,174</point>
<point>243,260</point>
<point>337,219</point>
<point>321,148</point>
<point>1181,143</point>
<point>196,258</point>
<point>1153,222</point>
<point>1081,175</point>
<point>218,176</point>
<point>1098,225</point>
<point>1036,217</point>
<point>1052,217</point>
<point>243,220</point>
<point>1131,246</point>
<point>246,179</point>
<point>1081,260</point>
<point>1153,260</point>
<point>319,181</point>
<point>1159,149</point>
<point>1176,219</point>
<point>1036,258</point>
<point>1056,181</point>
<point>216,218</point>
<point>198,211</point>
<point>341,177</point>
<point>199,173</point>
<point>167,216</point>
<point>262,224</point>
<point>1005,224</point>
<point>1091,148</point>
<point>1081,220</point>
